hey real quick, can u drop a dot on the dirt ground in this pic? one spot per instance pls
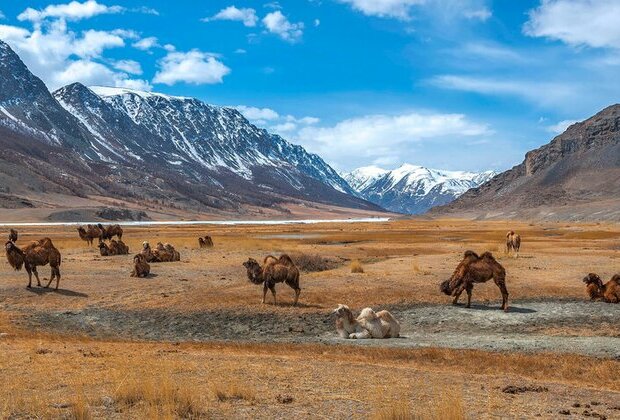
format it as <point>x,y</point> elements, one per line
<point>200,323</point>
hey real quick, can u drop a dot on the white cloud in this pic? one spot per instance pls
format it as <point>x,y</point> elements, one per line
<point>399,9</point>
<point>317,23</point>
<point>257,114</point>
<point>128,66</point>
<point>386,138</point>
<point>540,92</point>
<point>60,56</point>
<point>2,16</point>
<point>194,67</point>
<point>70,11</point>
<point>245,15</point>
<point>146,44</point>
<point>593,23</point>
<point>240,51</point>
<point>276,23</point>
<point>482,14</point>
<point>561,126</point>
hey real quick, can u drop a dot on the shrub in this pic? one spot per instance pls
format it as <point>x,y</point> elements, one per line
<point>313,263</point>
<point>356,267</point>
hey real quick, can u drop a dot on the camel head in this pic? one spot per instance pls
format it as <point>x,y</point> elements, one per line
<point>593,279</point>
<point>445,287</point>
<point>14,255</point>
<point>343,311</point>
<point>254,271</point>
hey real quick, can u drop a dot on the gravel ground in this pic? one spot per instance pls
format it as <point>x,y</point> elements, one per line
<point>525,328</point>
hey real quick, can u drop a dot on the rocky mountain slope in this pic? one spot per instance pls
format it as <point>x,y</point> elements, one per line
<point>574,177</point>
<point>413,189</point>
<point>149,147</point>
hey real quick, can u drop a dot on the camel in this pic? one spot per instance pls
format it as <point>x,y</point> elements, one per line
<point>367,325</point>
<point>115,248</point>
<point>39,253</point>
<point>141,268</point>
<point>205,242</point>
<point>273,271</point>
<point>166,253</point>
<point>513,242</point>
<point>147,252</point>
<point>608,292</point>
<point>476,269</point>
<point>89,234</point>
<point>110,231</point>
<point>13,235</point>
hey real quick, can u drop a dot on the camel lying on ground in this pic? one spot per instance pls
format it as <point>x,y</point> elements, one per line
<point>141,268</point>
<point>89,234</point>
<point>367,325</point>
<point>273,271</point>
<point>115,248</point>
<point>39,253</point>
<point>108,232</point>
<point>13,235</point>
<point>205,242</point>
<point>475,269</point>
<point>513,242</point>
<point>162,253</point>
<point>608,292</point>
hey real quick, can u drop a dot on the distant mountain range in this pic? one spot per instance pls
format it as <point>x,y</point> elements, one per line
<point>412,189</point>
<point>574,177</point>
<point>149,148</point>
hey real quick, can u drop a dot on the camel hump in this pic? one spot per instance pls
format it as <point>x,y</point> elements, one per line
<point>487,255</point>
<point>470,254</point>
<point>286,260</point>
<point>616,278</point>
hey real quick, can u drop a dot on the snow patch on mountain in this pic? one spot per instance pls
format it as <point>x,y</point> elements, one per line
<point>413,189</point>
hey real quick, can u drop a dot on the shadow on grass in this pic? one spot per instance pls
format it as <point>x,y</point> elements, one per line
<point>63,292</point>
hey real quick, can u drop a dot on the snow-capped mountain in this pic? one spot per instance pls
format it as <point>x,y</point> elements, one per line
<point>413,189</point>
<point>163,147</point>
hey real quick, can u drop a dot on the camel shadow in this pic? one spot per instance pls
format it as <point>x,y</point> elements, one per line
<point>511,309</point>
<point>63,292</point>
<point>299,305</point>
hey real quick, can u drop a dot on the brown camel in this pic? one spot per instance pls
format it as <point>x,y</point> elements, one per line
<point>110,231</point>
<point>476,269</point>
<point>115,248</point>
<point>13,235</point>
<point>281,270</point>
<point>141,268</point>
<point>608,292</point>
<point>39,253</point>
<point>147,252</point>
<point>513,242</point>
<point>89,234</point>
<point>166,253</point>
<point>205,242</point>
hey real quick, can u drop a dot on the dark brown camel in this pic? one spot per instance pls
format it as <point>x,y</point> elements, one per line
<point>108,232</point>
<point>608,292</point>
<point>476,269</point>
<point>141,268</point>
<point>274,271</point>
<point>39,253</point>
<point>89,233</point>
<point>205,242</point>
<point>13,235</point>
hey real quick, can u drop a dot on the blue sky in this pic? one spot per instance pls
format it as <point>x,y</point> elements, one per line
<point>450,84</point>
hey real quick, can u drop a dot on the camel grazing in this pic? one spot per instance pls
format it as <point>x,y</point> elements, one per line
<point>205,242</point>
<point>273,271</point>
<point>13,235</point>
<point>39,253</point>
<point>115,248</point>
<point>367,325</point>
<point>110,231</point>
<point>141,268</point>
<point>89,234</point>
<point>476,269</point>
<point>608,292</point>
<point>513,242</point>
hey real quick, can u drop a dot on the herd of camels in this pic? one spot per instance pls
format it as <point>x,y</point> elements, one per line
<point>472,269</point>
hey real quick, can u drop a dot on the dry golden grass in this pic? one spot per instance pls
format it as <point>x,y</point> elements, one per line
<point>233,391</point>
<point>356,267</point>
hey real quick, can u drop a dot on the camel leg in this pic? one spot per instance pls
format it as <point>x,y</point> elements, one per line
<point>297,292</point>
<point>272,287</point>
<point>501,283</point>
<point>469,289</point>
<point>36,274</point>
<point>29,277</point>
<point>457,295</point>
<point>361,335</point>
<point>265,288</point>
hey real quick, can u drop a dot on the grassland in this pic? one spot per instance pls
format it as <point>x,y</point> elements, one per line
<point>193,341</point>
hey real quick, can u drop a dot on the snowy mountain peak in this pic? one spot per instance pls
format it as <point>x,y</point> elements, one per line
<point>107,91</point>
<point>412,188</point>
